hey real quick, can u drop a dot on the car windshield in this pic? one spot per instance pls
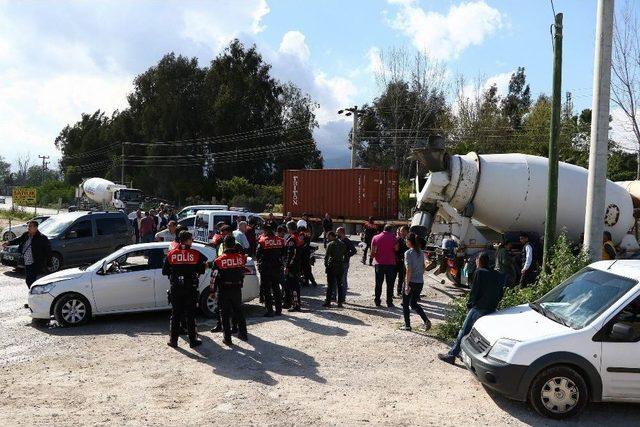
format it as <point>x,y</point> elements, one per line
<point>55,225</point>
<point>127,195</point>
<point>583,297</point>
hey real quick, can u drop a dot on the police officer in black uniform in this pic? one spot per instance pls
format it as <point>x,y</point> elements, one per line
<point>269,253</point>
<point>183,266</point>
<point>292,268</point>
<point>229,268</point>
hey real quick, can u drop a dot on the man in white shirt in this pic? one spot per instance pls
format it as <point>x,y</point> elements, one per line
<point>240,237</point>
<point>527,275</point>
<point>168,234</point>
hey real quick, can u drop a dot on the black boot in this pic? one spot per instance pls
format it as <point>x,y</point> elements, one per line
<point>218,328</point>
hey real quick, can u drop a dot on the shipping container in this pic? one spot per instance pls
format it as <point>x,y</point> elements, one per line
<point>343,193</point>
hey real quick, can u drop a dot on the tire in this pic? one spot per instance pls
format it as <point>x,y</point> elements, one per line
<point>559,392</point>
<point>55,262</point>
<point>72,310</point>
<point>207,304</point>
<point>9,235</point>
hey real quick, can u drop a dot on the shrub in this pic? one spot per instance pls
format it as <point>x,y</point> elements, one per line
<point>50,191</point>
<point>563,264</point>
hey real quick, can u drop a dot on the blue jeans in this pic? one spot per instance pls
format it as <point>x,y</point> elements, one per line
<point>147,238</point>
<point>473,315</point>
<point>344,277</point>
<point>385,273</point>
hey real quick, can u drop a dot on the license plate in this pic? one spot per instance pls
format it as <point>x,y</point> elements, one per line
<point>466,359</point>
<point>9,257</point>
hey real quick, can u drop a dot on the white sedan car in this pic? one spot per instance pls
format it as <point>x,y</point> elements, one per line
<point>9,233</point>
<point>129,280</point>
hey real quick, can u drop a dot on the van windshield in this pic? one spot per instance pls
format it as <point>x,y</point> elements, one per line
<point>55,225</point>
<point>583,297</point>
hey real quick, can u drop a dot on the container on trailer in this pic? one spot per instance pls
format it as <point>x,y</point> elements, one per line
<point>346,193</point>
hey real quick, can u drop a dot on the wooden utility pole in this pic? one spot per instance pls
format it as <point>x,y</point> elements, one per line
<point>552,184</point>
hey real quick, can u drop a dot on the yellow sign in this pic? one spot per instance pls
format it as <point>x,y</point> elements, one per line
<point>24,196</point>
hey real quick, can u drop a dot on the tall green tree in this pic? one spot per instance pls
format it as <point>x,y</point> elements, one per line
<point>518,99</point>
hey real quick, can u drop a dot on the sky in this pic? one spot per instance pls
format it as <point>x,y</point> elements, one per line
<point>59,59</point>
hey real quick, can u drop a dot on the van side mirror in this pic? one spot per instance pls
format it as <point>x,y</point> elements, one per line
<point>621,332</point>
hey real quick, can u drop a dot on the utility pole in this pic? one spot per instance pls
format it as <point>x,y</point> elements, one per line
<point>122,165</point>
<point>354,130</point>
<point>44,167</point>
<point>552,184</point>
<point>598,150</point>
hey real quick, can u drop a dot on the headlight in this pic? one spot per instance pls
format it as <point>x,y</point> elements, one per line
<point>42,289</point>
<point>501,349</point>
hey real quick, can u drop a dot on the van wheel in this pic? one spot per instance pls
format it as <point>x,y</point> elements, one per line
<point>55,262</point>
<point>9,235</point>
<point>207,304</point>
<point>72,310</point>
<point>559,392</point>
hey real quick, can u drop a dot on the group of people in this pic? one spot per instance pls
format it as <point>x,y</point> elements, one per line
<point>155,225</point>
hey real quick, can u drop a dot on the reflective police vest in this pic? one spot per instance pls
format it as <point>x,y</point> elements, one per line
<point>231,267</point>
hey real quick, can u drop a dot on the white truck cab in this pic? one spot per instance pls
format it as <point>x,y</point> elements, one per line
<point>578,343</point>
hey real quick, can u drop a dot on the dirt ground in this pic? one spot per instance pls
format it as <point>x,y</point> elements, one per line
<point>349,366</point>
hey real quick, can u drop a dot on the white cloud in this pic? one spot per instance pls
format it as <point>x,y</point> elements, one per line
<point>621,130</point>
<point>293,43</point>
<point>501,81</point>
<point>375,60</point>
<point>446,36</point>
<point>210,27</point>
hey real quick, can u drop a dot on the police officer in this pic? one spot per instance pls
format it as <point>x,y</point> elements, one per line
<point>292,269</point>
<point>269,254</point>
<point>183,265</point>
<point>229,268</point>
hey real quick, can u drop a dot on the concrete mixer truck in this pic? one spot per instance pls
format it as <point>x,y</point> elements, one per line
<point>110,194</point>
<point>505,192</point>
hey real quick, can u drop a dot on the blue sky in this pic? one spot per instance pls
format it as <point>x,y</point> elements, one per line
<point>59,59</point>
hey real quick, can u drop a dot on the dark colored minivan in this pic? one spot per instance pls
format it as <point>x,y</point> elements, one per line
<point>79,238</point>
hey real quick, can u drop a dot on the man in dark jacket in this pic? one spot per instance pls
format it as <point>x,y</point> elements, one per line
<point>327,226</point>
<point>370,230</point>
<point>351,251</point>
<point>35,249</point>
<point>334,265</point>
<point>487,289</point>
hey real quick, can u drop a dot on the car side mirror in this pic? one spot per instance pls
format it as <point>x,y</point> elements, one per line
<point>72,234</point>
<point>621,332</point>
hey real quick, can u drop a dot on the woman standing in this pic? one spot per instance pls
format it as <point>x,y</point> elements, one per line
<point>414,281</point>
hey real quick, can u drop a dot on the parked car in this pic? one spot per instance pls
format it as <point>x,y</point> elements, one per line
<point>578,343</point>
<point>191,210</point>
<point>2,200</point>
<point>206,220</point>
<point>128,280</point>
<point>16,230</point>
<point>78,238</point>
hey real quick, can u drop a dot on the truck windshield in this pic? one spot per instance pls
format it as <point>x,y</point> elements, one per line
<point>127,195</point>
<point>583,297</point>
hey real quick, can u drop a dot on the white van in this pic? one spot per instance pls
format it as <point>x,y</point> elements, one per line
<point>191,210</point>
<point>206,221</point>
<point>578,343</point>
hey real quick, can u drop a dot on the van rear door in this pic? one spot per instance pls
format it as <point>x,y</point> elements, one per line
<point>202,227</point>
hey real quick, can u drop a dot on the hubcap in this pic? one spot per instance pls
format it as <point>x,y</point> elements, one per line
<point>211,303</point>
<point>73,311</point>
<point>560,395</point>
<point>55,264</point>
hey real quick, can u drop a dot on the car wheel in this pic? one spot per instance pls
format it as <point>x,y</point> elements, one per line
<point>72,310</point>
<point>55,262</point>
<point>207,304</point>
<point>9,235</point>
<point>559,392</point>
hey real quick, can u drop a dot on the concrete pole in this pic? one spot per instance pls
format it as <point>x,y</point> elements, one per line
<point>354,138</point>
<point>552,184</point>
<point>598,150</point>
<point>122,165</point>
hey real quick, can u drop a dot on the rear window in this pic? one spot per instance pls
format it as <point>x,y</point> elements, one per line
<point>202,221</point>
<point>222,218</point>
<point>107,226</point>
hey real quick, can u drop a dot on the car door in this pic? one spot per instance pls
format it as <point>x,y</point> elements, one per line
<point>112,233</point>
<point>78,242</point>
<point>162,282</point>
<point>128,282</point>
<point>620,368</point>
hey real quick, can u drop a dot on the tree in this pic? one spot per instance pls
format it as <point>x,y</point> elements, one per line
<point>518,99</point>
<point>411,106</point>
<point>625,67</point>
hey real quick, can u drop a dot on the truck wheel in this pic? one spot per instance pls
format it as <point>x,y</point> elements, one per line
<point>72,310</point>
<point>54,263</point>
<point>207,304</point>
<point>559,392</point>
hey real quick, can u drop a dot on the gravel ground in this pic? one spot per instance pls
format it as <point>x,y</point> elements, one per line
<point>349,366</point>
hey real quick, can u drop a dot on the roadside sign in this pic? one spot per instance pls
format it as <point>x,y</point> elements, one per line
<point>24,196</point>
